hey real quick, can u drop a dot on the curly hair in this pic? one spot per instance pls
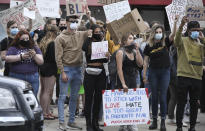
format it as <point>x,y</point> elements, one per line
<point>16,40</point>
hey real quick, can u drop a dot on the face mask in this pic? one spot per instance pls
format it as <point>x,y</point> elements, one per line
<point>73,26</point>
<point>158,36</point>
<point>129,48</point>
<point>63,28</point>
<point>194,34</point>
<point>24,43</point>
<point>14,31</point>
<point>97,37</point>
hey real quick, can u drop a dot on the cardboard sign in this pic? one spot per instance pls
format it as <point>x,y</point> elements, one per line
<point>14,3</point>
<point>116,11</point>
<point>130,23</point>
<point>178,7</point>
<point>129,108</point>
<point>16,14</point>
<point>76,7</point>
<point>107,2</point>
<point>99,49</point>
<point>195,13</point>
<point>48,8</point>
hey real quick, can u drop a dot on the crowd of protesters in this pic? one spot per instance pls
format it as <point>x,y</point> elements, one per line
<point>60,54</point>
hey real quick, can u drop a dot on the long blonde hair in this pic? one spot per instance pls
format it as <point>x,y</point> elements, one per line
<point>152,39</point>
<point>50,36</point>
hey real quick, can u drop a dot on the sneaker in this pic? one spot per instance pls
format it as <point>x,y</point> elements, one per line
<point>62,127</point>
<point>73,126</point>
<point>123,128</point>
<point>132,128</point>
<point>185,124</point>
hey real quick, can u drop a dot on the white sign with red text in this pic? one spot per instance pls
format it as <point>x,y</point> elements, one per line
<point>129,108</point>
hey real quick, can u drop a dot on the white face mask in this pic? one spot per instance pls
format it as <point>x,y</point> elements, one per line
<point>73,26</point>
<point>158,36</point>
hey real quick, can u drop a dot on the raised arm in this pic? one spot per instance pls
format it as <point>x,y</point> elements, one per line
<point>172,35</point>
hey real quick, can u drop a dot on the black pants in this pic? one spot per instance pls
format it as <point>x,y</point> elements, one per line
<point>93,84</point>
<point>202,99</point>
<point>184,86</point>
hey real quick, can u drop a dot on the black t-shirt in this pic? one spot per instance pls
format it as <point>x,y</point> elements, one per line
<point>158,54</point>
<point>87,48</point>
<point>49,67</point>
<point>4,44</point>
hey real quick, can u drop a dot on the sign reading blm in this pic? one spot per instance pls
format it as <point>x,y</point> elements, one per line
<point>76,7</point>
<point>129,108</point>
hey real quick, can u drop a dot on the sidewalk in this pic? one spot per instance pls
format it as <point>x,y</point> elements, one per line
<point>52,125</point>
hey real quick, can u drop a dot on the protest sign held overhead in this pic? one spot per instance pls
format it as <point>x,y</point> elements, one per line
<point>129,108</point>
<point>99,50</point>
<point>16,14</point>
<point>195,13</point>
<point>178,7</point>
<point>14,3</point>
<point>48,8</point>
<point>117,10</point>
<point>76,7</point>
<point>107,2</point>
<point>131,22</point>
<point>29,14</point>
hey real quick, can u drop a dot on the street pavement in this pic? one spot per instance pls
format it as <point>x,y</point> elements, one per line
<point>52,125</point>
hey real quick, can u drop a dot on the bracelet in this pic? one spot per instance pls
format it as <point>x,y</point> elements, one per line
<point>21,57</point>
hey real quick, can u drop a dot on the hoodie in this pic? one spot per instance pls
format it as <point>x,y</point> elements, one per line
<point>68,49</point>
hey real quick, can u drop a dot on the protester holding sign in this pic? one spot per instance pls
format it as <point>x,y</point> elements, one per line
<point>128,59</point>
<point>156,55</point>
<point>25,57</point>
<point>190,51</point>
<point>12,30</point>
<point>94,81</point>
<point>68,56</point>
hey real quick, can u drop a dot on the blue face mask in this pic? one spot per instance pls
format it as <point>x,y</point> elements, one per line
<point>158,36</point>
<point>194,34</point>
<point>14,31</point>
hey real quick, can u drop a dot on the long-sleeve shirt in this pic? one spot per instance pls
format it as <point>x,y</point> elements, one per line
<point>190,56</point>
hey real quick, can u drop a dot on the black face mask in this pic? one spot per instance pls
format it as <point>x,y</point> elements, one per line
<point>97,37</point>
<point>24,43</point>
<point>62,28</point>
<point>129,48</point>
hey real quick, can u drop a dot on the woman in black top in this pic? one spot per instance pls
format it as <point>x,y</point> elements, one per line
<point>128,60</point>
<point>48,70</point>
<point>156,55</point>
<point>12,30</point>
<point>94,81</point>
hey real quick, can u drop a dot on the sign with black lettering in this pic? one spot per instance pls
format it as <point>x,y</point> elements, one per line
<point>129,108</point>
<point>14,3</point>
<point>132,22</point>
<point>76,7</point>
<point>195,13</point>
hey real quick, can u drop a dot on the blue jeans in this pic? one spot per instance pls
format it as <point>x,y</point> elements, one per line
<point>159,82</point>
<point>74,80</point>
<point>33,79</point>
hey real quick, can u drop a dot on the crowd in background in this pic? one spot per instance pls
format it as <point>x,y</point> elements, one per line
<point>170,66</point>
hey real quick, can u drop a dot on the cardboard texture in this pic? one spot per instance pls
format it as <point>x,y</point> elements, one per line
<point>76,7</point>
<point>130,23</point>
<point>195,13</point>
<point>107,2</point>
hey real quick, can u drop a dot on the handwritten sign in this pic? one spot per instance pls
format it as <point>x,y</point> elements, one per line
<point>14,3</point>
<point>99,49</point>
<point>76,7</point>
<point>116,11</point>
<point>48,8</point>
<point>129,108</point>
<point>196,14</point>
<point>16,14</point>
<point>130,23</point>
<point>178,7</point>
<point>107,2</point>
<point>29,14</point>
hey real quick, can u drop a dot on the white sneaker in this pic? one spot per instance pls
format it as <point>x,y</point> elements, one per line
<point>185,124</point>
<point>62,127</point>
